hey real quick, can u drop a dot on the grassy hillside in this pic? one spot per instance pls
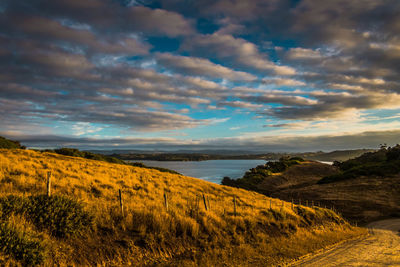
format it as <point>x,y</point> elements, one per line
<point>82,224</point>
<point>362,189</point>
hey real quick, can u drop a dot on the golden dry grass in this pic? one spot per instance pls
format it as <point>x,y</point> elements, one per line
<point>186,234</point>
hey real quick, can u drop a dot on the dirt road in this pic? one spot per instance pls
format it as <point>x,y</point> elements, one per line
<point>380,248</point>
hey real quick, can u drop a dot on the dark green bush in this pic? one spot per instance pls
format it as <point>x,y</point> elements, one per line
<point>393,153</point>
<point>256,175</point>
<point>60,215</point>
<point>139,164</point>
<point>20,245</point>
<point>73,152</point>
<point>6,143</point>
<point>13,204</point>
<point>384,162</point>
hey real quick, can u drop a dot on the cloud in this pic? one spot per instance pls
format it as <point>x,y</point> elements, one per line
<point>201,67</point>
<point>240,104</point>
<point>50,30</point>
<point>238,50</point>
<point>158,21</point>
<point>333,105</point>
<point>283,82</point>
<point>82,128</point>
<point>300,53</point>
<point>287,100</point>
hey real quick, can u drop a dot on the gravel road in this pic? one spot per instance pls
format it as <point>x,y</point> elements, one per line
<point>380,248</point>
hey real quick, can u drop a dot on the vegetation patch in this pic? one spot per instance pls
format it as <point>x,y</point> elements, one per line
<point>139,164</point>
<point>59,215</point>
<point>10,144</point>
<point>73,152</point>
<point>20,245</point>
<point>384,162</point>
<point>256,175</point>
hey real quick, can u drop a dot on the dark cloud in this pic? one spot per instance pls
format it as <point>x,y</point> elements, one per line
<point>330,105</point>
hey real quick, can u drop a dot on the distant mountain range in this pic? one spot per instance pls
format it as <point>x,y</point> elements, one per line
<point>193,155</point>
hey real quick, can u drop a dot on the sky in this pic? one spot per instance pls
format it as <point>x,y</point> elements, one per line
<point>261,75</point>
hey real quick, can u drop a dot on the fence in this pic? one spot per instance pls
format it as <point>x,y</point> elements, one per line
<point>273,203</point>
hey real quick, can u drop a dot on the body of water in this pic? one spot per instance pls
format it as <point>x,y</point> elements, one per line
<point>209,170</point>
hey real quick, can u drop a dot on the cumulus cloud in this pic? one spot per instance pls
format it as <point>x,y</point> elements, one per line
<point>283,82</point>
<point>158,21</point>
<point>201,67</point>
<point>333,105</point>
<point>238,50</point>
<point>240,104</point>
<point>52,30</point>
<point>300,53</point>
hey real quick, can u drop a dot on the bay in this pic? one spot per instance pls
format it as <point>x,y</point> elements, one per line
<point>209,170</point>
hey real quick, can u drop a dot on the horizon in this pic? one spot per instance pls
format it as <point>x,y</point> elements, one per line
<point>261,76</point>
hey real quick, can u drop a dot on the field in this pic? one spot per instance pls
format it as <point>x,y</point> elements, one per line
<point>146,232</point>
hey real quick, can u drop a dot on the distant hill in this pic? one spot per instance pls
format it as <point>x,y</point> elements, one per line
<point>166,219</point>
<point>337,155</point>
<point>219,155</point>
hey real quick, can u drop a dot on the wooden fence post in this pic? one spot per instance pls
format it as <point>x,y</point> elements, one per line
<point>121,204</point>
<point>292,204</point>
<point>205,202</point>
<point>49,183</point>
<point>234,205</point>
<point>165,200</point>
<point>270,204</point>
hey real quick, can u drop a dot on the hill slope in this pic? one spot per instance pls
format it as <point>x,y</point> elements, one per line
<point>93,231</point>
<point>362,189</point>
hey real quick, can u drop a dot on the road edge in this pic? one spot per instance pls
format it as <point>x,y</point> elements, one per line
<point>324,250</point>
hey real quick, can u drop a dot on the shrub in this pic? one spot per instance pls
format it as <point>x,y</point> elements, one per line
<point>256,175</point>
<point>384,162</point>
<point>6,143</point>
<point>141,165</point>
<point>73,152</point>
<point>13,204</point>
<point>20,245</point>
<point>60,215</point>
